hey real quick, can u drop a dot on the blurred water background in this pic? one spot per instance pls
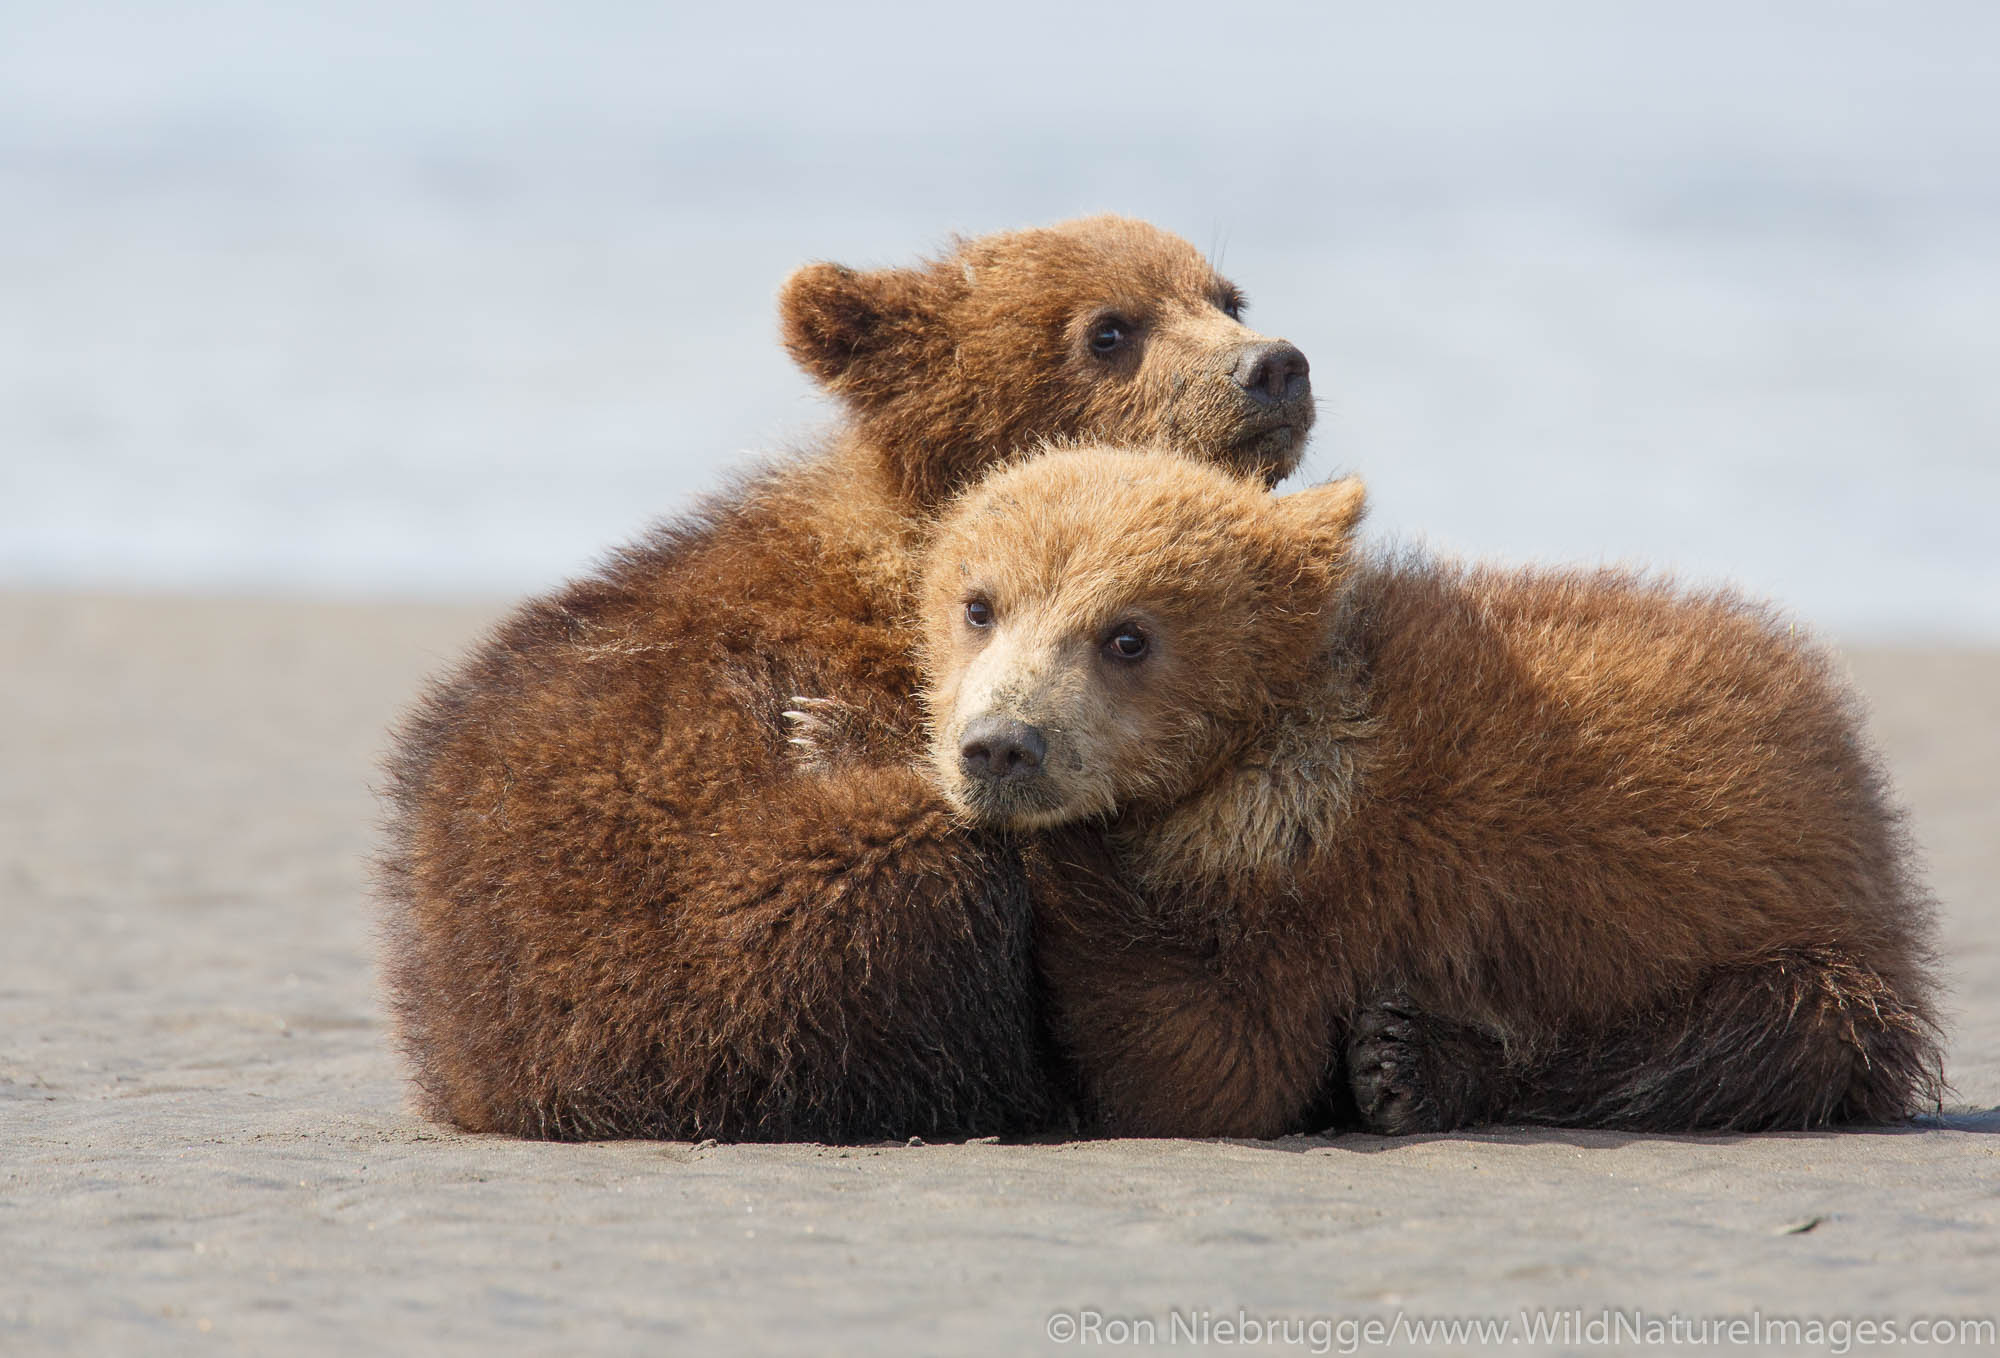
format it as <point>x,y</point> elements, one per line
<point>428,299</point>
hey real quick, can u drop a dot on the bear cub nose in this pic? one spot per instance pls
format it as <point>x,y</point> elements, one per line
<point>998,749</point>
<point>1273,373</point>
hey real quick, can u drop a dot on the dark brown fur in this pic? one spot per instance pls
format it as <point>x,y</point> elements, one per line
<point>618,905</point>
<point>1554,846</point>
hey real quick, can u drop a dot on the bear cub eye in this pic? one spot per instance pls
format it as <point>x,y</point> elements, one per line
<point>1232,304</point>
<point>1127,643</point>
<point>978,613</point>
<point>1107,335</point>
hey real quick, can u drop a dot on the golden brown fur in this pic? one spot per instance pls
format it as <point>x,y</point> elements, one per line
<point>617,905</point>
<point>1451,844</point>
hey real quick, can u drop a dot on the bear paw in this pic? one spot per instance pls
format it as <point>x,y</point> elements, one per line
<point>823,733</point>
<point>1411,1073</point>
<point>818,730</point>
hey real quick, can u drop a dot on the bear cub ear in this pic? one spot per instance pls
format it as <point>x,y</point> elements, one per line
<point>833,316</point>
<point>1323,519</point>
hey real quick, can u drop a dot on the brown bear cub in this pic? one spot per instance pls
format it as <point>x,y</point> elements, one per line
<point>1429,844</point>
<point>618,906</point>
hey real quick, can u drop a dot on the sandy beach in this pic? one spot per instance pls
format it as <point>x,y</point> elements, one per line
<point>205,1146</point>
<point>380,299</point>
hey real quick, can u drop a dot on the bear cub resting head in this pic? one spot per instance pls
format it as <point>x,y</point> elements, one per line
<point>1102,628</point>
<point>1103,328</point>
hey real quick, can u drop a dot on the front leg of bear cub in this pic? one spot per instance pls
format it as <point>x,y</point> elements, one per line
<point>1799,1038</point>
<point>1165,1032</point>
<point>842,962</point>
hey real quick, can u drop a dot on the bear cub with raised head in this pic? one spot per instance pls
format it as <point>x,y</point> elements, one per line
<point>617,905</point>
<point>1413,843</point>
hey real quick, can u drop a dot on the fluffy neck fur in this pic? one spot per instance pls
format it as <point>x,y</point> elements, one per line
<point>1265,808</point>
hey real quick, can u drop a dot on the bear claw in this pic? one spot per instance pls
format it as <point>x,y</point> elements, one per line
<point>819,728</point>
<point>824,732</point>
<point>1410,1073</point>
